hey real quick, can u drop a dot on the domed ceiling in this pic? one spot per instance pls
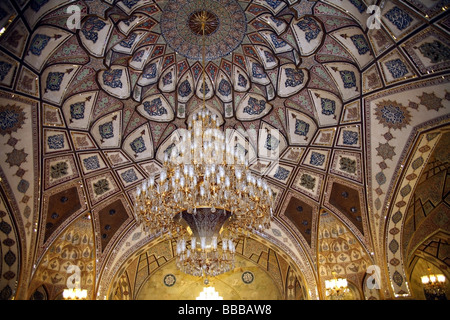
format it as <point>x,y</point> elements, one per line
<point>327,98</point>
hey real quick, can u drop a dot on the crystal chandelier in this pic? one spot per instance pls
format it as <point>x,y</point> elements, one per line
<point>74,294</point>
<point>336,288</point>
<point>434,286</point>
<point>205,195</point>
<point>209,293</point>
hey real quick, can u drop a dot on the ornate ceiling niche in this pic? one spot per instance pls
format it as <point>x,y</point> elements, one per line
<point>327,107</point>
<point>354,38</point>
<point>422,264</point>
<point>61,205</point>
<point>44,41</point>
<point>340,251</point>
<point>135,242</point>
<point>425,233</point>
<point>138,274</point>
<point>346,76</point>
<point>75,246</point>
<point>347,201</point>
<point>300,217</point>
<point>429,205</point>
<point>401,231</point>
<point>111,219</point>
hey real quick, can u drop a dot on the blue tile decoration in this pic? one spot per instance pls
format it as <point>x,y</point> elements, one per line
<point>281,174</point>
<point>154,107</point>
<point>11,119</point>
<point>350,137</point>
<point>436,51</point>
<point>170,149</point>
<point>224,87</point>
<point>138,56</point>
<point>150,71</point>
<point>360,43</point>
<point>184,89</point>
<point>91,163</point>
<point>397,68</point>
<point>276,21</point>
<point>381,178</point>
<point>129,175</point>
<point>258,71</point>
<point>77,110</point>
<point>106,130</point>
<point>271,142</point>
<point>129,21</point>
<point>254,106</point>
<point>348,78</point>
<point>360,5</point>
<point>399,18</point>
<point>269,57</point>
<point>38,43</point>
<point>273,3</point>
<point>310,27</point>
<point>54,80</point>
<point>128,43</point>
<point>392,114</point>
<point>167,79</point>
<point>242,82</point>
<point>130,3</point>
<point>23,186</point>
<point>328,106</point>
<point>301,127</point>
<point>56,141</point>
<point>111,78</point>
<point>277,42</point>
<point>138,145</point>
<point>206,91</point>
<point>317,159</point>
<point>91,28</point>
<point>294,77</point>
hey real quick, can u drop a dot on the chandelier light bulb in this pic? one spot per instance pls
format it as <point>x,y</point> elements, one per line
<point>425,279</point>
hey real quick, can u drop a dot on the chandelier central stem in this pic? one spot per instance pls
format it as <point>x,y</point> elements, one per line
<point>204,20</point>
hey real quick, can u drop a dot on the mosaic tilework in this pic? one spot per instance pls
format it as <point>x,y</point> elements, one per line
<point>114,92</point>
